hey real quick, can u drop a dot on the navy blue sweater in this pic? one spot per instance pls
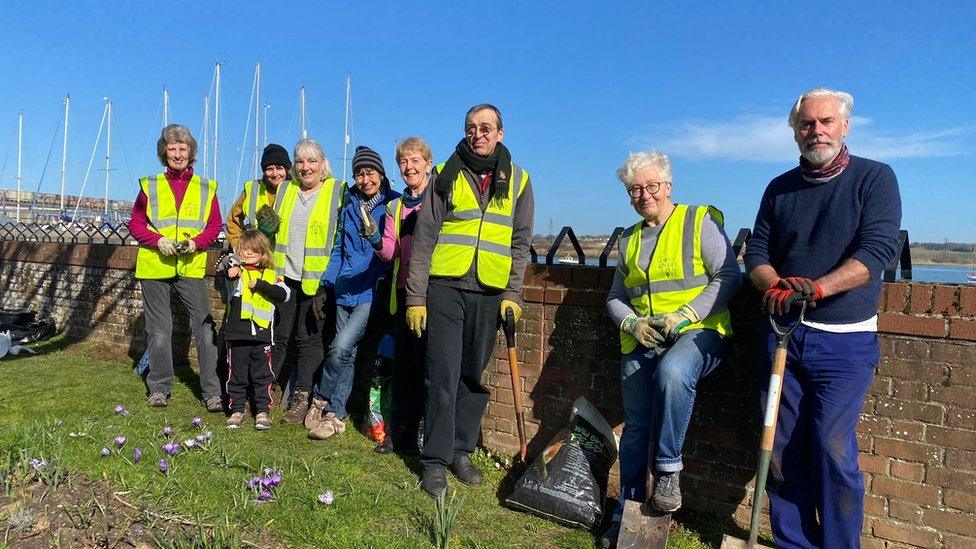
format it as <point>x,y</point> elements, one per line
<point>809,229</point>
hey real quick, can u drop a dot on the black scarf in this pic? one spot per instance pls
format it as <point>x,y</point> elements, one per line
<point>499,162</point>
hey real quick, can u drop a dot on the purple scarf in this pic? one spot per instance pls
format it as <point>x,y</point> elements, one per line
<point>827,172</point>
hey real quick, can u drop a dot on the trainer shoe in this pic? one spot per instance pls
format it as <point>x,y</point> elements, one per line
<point>214,404</point>
<point>313,418</point>
<point>331,425</point>
<point>157,400</point>
<point>465,471</point>
<point>235,420</point>
<point>667,492</point>
<point>297,408</point>
<point>262,422</point>
<point>434,481</point>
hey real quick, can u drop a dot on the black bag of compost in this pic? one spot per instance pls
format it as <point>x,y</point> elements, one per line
<point>568,482</point>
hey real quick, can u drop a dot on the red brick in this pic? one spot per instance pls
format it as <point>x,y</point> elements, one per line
<point>960,500</point>
<point>909,451</point>
<point>881,386</point>
<point>928,326</point>
<point>868,542</point>
<point>913,370</point>
<point>960,396</point>
<point>908,470</point>
<point>914,390</point>
<point>896,297</point>
<point>874,505</point>
<point>871,425</point>
<point>908,491</point>
<point>952,541</point>
<point>912,535</point>
<point>950,478</point>
<point>904,510</point>
<point>954,352</point>
<point>957,523</point>
<point>908,430</point>
<point>960,418</point>
<point>872,464</point>
<point>945,302</point>
<point>533,295</point>
<point>952,438</point>
<point>920,301</point>
<point>967,301</point>
<point>554,296</point>
<point>960,328</point>
<point>909,409</point>
<point>911,348</point>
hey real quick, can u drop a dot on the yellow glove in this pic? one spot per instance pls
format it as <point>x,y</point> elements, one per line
<point>508,304</point>
<point>417,319</point>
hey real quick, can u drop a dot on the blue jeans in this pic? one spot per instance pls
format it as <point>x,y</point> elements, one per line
<point>816,490</point>
<point>340,364</point>
<point>659,395</point>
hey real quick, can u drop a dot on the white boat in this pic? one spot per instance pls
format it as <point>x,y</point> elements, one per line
<point>972,274</point>
<point>568,259</point>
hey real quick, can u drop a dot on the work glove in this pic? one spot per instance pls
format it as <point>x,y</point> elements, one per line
<point>268,221</point>
<point>671,324</point>
<point>318,306</point>
<point>166,246</point>
<point>509,304</point>
<point>780,297</point>
<point>228,261</point>
<point>643,332</point>
<point>186,247</point>
<point>417,319</point>
<point>369,225</point>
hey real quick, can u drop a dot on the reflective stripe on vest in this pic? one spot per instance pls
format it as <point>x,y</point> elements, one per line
<point>468,231</point>
<point>255,306</point>
<point>320,234</point>
<point>183,223</point>
<point>253,201</point>
<point>395,209</point>
<point>675,274</point>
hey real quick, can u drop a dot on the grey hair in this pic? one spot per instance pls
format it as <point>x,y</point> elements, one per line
<point>310,148</point>
<point>483,107</point>
<point>176,133</point>
<point>639,160</point>
<point>845,101</point>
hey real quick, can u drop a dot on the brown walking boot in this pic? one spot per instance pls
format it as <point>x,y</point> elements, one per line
<point>296,409</point>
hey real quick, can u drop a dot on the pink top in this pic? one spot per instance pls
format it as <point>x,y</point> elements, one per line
<point>178,181</point>
<point>391,248</point>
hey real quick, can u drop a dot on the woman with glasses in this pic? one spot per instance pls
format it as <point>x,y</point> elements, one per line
<point>675,274</point>
<point>351,277</point>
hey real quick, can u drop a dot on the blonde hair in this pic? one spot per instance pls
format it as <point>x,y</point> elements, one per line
<point>414,144</point>
<point>176,133</point>
<point>310,148</point>
<point>255,241</point>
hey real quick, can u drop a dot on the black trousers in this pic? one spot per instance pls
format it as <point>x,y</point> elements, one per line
<point>297,318</point>
<point>249,364</point>
<point>461,330</point>
<point>407,378</point>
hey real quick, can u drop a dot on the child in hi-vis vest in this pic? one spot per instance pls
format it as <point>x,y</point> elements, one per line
<point>248,327</point>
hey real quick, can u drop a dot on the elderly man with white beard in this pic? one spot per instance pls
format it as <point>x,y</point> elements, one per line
<point>823,235</point>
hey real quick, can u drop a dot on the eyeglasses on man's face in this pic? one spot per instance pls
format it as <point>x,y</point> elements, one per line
<point>483,129</point>
<point>636,191</point>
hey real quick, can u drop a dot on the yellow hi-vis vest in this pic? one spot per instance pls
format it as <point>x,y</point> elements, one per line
<point>676,273</point>
<point>320,234</point>
<point>254,306</point>
<point>468,232</point>
<point>176,224</point>
<point>395,208</point>
<point>254,201</point>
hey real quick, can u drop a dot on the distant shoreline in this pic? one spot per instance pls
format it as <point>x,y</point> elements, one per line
<point>937,264</point>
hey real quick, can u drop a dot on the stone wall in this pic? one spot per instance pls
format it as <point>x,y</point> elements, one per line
<point>917,430</point>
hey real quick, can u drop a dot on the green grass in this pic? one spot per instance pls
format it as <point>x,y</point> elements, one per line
<point>59,406</point>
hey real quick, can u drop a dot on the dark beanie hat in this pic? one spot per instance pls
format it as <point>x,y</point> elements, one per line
<point>366,157</point>
<point>275,155</point>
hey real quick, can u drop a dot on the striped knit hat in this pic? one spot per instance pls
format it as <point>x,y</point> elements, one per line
<point>366,157</point>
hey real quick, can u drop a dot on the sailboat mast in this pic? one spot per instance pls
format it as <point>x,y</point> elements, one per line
<point>64,147</point>
<point>206,133</point>
<point>216,124</point>
<point>266,107</point>
<point>108,155</point>
<point>257,119</point>
<point>345,132</point>
<point>20,146</point>
<point>165,107</point>
<point>301,111</point>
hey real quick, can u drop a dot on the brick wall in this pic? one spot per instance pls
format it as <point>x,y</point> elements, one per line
<point>917,430</point>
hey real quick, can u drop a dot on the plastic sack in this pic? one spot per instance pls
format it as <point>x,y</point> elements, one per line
<point>568,481</point>
<point>379,391</point>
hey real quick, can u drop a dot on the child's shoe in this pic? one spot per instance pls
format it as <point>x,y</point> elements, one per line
<point>262,422</point>
<point>235,420</point>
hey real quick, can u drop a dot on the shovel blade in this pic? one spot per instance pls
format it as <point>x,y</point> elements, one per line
<point>642,527</point>
<point>729,542</point>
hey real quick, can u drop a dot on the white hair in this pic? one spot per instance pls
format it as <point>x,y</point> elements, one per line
<point>310,148</point>
<point>639,160</point>
<point>845,102</point>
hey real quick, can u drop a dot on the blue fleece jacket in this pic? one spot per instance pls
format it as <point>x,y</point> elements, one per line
<point>809,229</point>
<point>353,267</point>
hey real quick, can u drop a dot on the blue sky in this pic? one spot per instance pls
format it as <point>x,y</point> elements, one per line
<point>579,84</point>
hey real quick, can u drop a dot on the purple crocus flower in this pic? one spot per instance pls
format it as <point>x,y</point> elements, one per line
<point>106,452</point>
<point>253,483</point>
<point>265,495</point>
<point>326,498</point>
<point>167,431</point>
<point>137,455</point>
<point>274,480</point>
<point>120,441</point>
<point>119,409</point>
<point>163,466</point>
<point>190,442</point>
<point>197,422</point>
<point>37,464</point>
<point>171,448</point>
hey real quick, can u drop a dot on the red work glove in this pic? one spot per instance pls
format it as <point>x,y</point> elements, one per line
<point>788,291</point>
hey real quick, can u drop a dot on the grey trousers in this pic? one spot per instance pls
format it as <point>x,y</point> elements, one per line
<point>159,329</point>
